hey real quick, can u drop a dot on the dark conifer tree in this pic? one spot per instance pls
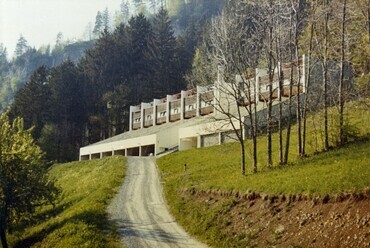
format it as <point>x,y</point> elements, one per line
<point>31,102</point>
<point>138,31</point>
<point>164,63</point>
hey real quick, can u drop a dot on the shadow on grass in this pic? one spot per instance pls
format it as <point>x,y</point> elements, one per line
<point>91,218</point>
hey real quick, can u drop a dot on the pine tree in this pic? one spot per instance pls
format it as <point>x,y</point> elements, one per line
<point>98,28</point>
<point>31,102</point>
<point>163,56</point>
<point>138,32</point>
<point>21,47</point>
<point>106,19</point>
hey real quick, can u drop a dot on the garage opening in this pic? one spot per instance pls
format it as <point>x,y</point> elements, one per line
<point>134,151</point>
<point>107,154</point>
<point>188,143</point>
<point>85,157</point>
<point>209,140</point>
<point>95,156</point>
<point>120,152</point>
<point>147,150</point>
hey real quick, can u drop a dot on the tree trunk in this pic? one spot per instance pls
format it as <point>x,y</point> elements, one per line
<point>269,104</point>
<point>281,79</point>
<point>299,114</point>
<point>254,138</point>
<point>242,157</point>
<point>325,76</point>
<point>289,122</point>
<point>3,221</point>
<point>308,78</point>
<point>4,242</point>
<point>341,80</point>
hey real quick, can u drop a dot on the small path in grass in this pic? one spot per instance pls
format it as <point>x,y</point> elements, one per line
<point>140,211</point>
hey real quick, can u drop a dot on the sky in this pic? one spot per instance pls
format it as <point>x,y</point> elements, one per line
<point>39,21</point>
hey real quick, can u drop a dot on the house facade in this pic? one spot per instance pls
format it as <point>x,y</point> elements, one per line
<point>192,118</point>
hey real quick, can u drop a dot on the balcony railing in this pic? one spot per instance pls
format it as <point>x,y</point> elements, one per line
<point>148,123</point>
<point>286,90</point>
<point>190,114</point>
<point>175,117</point>
<point>206,110</point>
<point>161,120</point>
<point>136,126</point>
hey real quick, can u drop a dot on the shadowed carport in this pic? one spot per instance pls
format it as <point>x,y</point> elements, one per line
<point>147,150</point>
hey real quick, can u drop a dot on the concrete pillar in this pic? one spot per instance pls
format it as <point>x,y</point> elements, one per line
<point>132,109</point>
<point>155,102</point>
<point>168,109</point>
<point>182,111</point>
<point>199,141</point>
<point>140,147</point>
<point>144,105</point>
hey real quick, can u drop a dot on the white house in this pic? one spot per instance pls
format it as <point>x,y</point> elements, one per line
<point>190,119</point>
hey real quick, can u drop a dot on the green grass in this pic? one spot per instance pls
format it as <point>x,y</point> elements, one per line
<point>341,169</point>
<point>79,217</point>
<point>218,167</point>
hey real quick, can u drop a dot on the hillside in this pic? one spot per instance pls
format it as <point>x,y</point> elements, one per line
<point>78,218</point>
<point>319,201</point>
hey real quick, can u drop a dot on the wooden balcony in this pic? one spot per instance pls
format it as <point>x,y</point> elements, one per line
<point>190,100</point>
<point>148,123</point>
<point>244,102</point>
<point>264,96</point>
<point>207,110</point>
<point>286,91</point>
<point>175,104</point>
<point>161,120</point>
<point>136,126</point>
<point>190,114</point>
<point>175,117</point>
<point>161,107</point>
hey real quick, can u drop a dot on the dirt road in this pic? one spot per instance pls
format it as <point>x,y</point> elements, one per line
<point>141,213</point>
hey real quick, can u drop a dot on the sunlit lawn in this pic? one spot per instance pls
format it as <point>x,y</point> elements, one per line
<point>218,167</point>
<point>79,217</point>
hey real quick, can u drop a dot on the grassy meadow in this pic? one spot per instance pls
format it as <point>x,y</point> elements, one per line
<point>340,169</point>
<point>79,217</point>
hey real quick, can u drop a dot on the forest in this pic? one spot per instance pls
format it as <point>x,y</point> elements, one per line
<point>81,101</point>
<point>80,93</point>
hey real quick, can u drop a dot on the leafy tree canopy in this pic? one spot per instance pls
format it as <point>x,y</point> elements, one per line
<point>24,184</point>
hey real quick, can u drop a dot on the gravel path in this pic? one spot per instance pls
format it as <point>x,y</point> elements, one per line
<point>141,213</point>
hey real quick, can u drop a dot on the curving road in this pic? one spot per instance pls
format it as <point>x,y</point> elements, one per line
<point>140,211</point>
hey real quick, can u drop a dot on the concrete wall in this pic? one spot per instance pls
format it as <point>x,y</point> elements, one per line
<point>123,147</point>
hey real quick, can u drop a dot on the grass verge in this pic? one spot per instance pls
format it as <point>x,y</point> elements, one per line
<point>79,217</point>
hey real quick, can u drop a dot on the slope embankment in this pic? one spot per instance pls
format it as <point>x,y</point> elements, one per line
<point>226,219</point>
<point>319,201</point>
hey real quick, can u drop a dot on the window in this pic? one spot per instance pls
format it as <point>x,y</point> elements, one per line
<point>162,114</point>
<point>176,110</point>
<point>190,107</point>
<point>148,117</point>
